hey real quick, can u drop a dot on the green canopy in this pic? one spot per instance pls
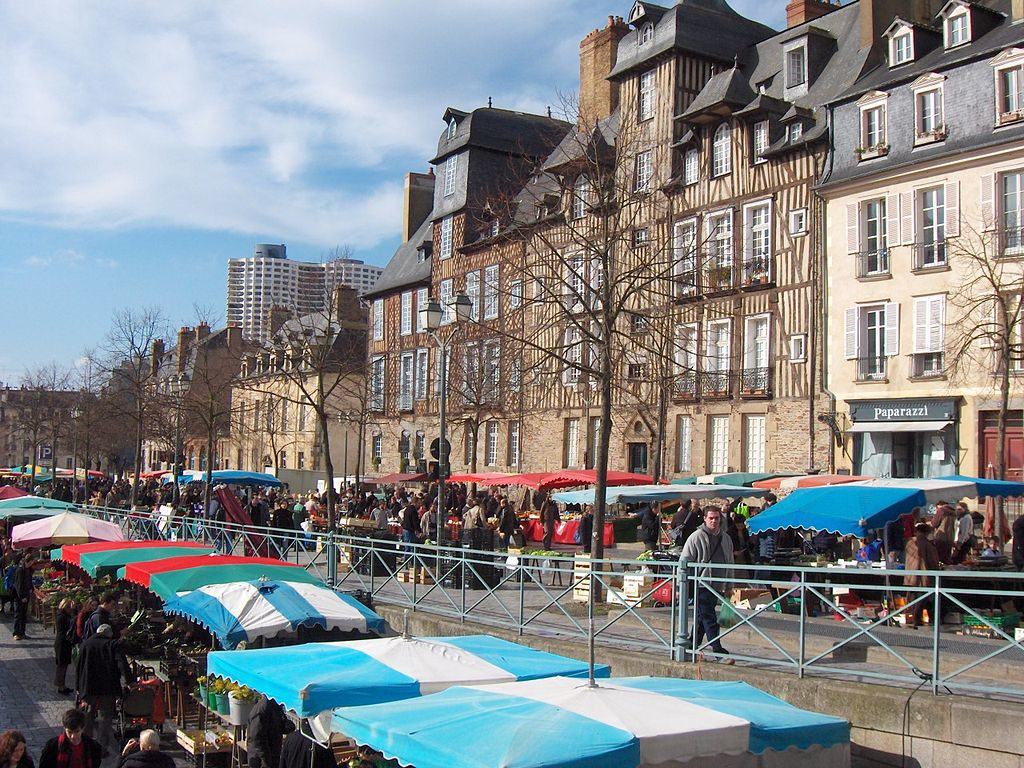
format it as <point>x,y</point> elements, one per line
<point>748,478</point>
<point>691,480</point>
<point>107,562</point>
<point>169,583</point>
<point>24,515</point>
<point>33,506</point>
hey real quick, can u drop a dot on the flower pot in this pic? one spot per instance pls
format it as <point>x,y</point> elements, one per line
<point>211,699</point>
<point>221,703</point>
<point>201,694</point>
<point>238,711</point>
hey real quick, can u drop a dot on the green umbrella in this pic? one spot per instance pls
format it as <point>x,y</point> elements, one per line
<point>107,562</point>
<point>169,583</point>
<point>33,506</point>
<point>747,478</point>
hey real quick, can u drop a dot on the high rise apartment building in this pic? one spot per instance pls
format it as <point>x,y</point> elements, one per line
<point>269,279</point>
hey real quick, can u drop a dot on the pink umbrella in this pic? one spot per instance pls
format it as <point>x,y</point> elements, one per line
<point>65,528</point>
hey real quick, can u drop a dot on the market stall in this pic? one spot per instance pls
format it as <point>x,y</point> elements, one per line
<point>618,723</point>
<point>100,559</point>
<point>168,577</point>
<point>315,678</point>
<point>63,528</point>
<point>566,532</point>
<point>11,492</point>
<point>846,510</point>
<point>245,611</point>
<point>24,502</point>
<point>651,493</point>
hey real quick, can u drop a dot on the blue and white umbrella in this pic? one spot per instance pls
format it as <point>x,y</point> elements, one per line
<point>245,610</point>
<point>316,677</point>
<point>619,723</point>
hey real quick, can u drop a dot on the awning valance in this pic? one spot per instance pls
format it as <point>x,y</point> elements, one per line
<point>899,426</point>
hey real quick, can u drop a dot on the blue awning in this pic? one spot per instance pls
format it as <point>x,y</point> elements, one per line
<point>847,510</point>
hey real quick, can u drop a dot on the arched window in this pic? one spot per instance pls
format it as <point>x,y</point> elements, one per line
<point>645,35</point>
<point>721,156</point>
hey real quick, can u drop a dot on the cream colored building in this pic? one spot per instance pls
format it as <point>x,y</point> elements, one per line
<point>928,168</point>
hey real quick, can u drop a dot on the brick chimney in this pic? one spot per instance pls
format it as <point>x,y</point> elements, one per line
<point>1016,11</point>
<point>799,11</point>
<point>599,96</point>
<point>156,356</point>
<point>877,15</point>
<point>417,203</point>
<point>347,307</point>
<point>202,331</point>
<point>234,334</point>
<point>185,335</point>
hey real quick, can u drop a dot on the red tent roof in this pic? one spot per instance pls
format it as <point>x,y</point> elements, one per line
<point>397,477</point>
<point>11,492</point>
<point>484,478</point>
<point>569,478</point>
<point>140,573</point>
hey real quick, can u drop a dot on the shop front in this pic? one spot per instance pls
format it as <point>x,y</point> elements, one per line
<point>912,437</point>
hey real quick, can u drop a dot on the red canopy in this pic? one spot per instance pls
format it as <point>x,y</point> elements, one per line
<point>72,553</point>
<point>140,573</point>
<point>11,492</point>
<point>397,477</point>
<point>569,478</point>
<point>806,481</point>
<point>483,478</point>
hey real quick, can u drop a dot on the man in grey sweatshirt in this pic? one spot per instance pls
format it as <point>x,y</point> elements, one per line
<point>710,544</point>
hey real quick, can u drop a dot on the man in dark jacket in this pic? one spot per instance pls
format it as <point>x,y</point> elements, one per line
<point>1017,546</point>
<point>101,667</point>
<point>296,753</point>
<point>72,748</point>
<point>145,753</point>
<point>650,526</point>
<point>102,615</point>
<point>410,525</point>
<point>550,519</point>
<point>22,593</point>
<point>267,727</point>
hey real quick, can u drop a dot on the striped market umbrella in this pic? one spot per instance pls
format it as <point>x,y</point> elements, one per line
<point>105,558</point>
<point>169,577</point>
<point>64,528</point>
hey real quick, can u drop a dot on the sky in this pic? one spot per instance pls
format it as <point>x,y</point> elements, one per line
<point>144,144</point>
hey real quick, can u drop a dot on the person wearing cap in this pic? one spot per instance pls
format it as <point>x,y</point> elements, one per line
<point>98,678</point>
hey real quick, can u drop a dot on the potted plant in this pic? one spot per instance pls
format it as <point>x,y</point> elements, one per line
<point>201,688</point>
<point>219,690</point>
<point>241,700</point>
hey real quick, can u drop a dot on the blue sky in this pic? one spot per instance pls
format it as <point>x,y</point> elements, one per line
<point>146,143</point>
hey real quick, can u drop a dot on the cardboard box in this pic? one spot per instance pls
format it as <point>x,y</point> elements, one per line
<point>747,595</point>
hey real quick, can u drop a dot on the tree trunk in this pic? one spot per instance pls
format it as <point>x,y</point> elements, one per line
<point>138,456</point>
<point>659,438</point>
<point>325,441</point>
<point>209,468</point>
<point>597,536</point>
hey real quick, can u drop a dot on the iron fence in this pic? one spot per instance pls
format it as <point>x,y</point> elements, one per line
<point>846,623</point>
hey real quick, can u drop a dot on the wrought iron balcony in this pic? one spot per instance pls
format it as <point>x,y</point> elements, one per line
<point>715,384</point>
<point>756,382</point>
<point>685,386</point>
<point>757,270</point>
<point>927,365</point>
<point>873,263</point>
<point>687,284</point>
<point>930,255</point>
<point>717,277</point>
<point>1011,241</point>
<point>871,368</point>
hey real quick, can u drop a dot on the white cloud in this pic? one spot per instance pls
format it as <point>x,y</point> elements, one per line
<point>291,118</point>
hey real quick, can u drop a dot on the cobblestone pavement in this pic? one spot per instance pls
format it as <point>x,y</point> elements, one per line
<point>29,701</point>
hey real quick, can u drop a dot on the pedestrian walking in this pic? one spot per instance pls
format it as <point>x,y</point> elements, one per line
<point>101,668</point>
<point>921,554</point>
<point>267,728</point>
<point>64,640</point>
<point>710,544</point>
<point>22,588</point>
<point>550,518</point>
<point>103,614</point>
<point>14,750</point>
<point>650,526</point>
<point>72,748</point>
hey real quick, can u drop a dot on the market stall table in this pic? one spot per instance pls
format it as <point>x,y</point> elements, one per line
<point>565,532</point>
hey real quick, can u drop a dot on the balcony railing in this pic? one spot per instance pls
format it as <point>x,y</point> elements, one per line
<point>873,263</point>
<point>930,255</point>
<point>685,386</point>
<point>718,277</point>
<point>756,382</point>
<point>871,368</point>
<point>1011,241</point>
<point>927,365</point>
<point>687,284</point>
<point>714,384</point>
<point>756,271</point>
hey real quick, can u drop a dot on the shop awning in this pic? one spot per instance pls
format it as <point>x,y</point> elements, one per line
<point>633,494</point>
<point>316,677</point>
<point>899,426</point>
<point>104,559</point>
<point>621,722</point>
<point>846,510</point>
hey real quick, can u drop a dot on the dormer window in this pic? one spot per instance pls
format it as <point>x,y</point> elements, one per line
<point>796,132</point>
<point>760,140</point>
<point>796,67</point>
<point>580,197</point>
<point>1009,72</point>
<point>901,48</point>
<point>495,226</point>
<point>958,28</point>
<point>928,109</point>
<point>645,35</point>
<point>721,151</point>
<point>873,129</point>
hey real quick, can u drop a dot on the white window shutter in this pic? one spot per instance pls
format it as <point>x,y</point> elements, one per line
<point>892,329</point>
<point>937,324</point>
<point>921,330</point>
<point>892,220</point>
<point>988,201</point>
<point>852,228</point>
<point>727,347</point>
<point>952,201</point>
<point>851,333</point>
<point>907,218</point>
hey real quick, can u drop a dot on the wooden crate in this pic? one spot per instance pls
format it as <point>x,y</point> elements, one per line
<point>581,570</point>
<point>194,742</point>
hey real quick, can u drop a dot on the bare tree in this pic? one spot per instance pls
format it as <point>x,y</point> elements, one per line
<point>128,360</point>
<point>38,415</point>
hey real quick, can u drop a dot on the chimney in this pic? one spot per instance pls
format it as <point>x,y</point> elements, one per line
<point>202,331</point>
<point>417,203</point>
<point>799,11</point>
<point>347,308</point>
<point>234,332</point>
<point>1016,11</point>
<point>184,346</point>
<point>877,15</point>
<point>156,356</point>
<point>599,96</point>
<point>278,316</point>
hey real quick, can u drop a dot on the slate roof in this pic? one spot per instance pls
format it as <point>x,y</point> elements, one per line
<point>575,143</point>
<point>729,87</point>
<point>709,28</point>
<point>882,77</point>
<point>405,268</point>
<point>501,130</point>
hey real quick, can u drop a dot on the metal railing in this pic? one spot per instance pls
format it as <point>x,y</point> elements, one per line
<point>871,368</point>
<point>756,382</point>
<point>930,255</point>
<point>824,621</point>
<point>873,263</point>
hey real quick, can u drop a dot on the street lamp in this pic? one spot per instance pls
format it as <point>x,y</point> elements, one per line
<point>433,317</point>
<point>178,386</point>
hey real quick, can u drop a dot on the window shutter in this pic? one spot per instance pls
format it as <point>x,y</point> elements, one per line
<point>988,197</point>
<point>907,218</point>
<point>892,329</point>
<point>952,201</point>
<point>852,228</point>
<point>726,347</point>
<point>892,220</point>
<point>921,330</point>
<point>937,324</point>
<point>851,333</point>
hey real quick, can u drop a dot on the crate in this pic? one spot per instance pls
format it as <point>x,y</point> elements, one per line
<point>1005,621</point>
<point>415,576</point>
<point>581,570</point>
<point>195,743</point>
